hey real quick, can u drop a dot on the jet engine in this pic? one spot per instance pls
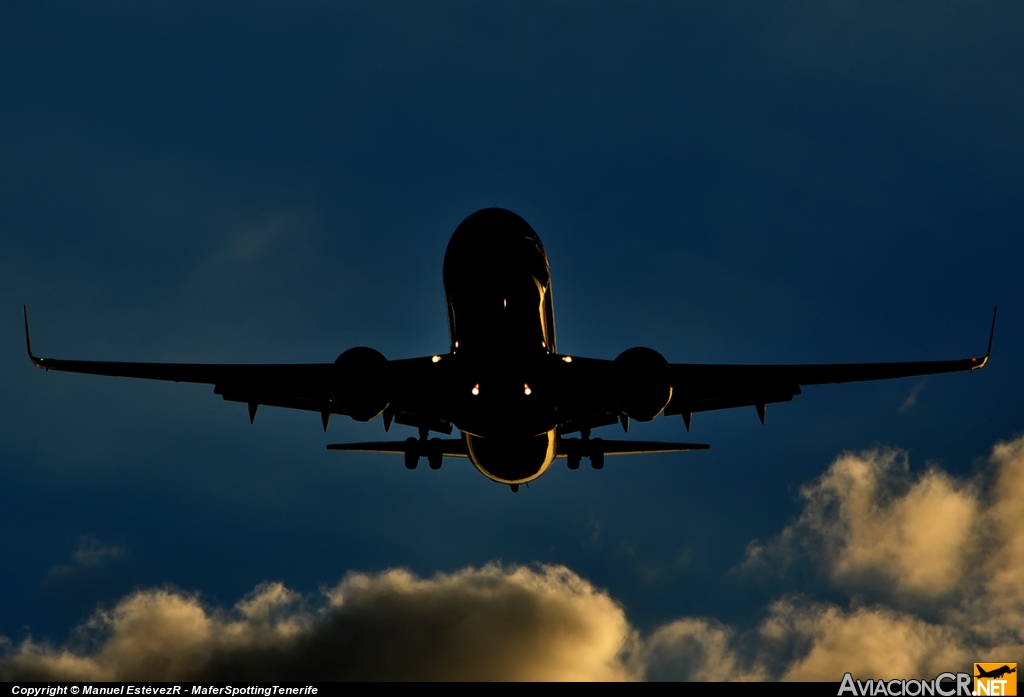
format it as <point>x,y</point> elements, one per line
<point>642,383</point>
<point>361,383</point>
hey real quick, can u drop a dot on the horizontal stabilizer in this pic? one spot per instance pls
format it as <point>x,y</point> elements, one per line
<point>585,448</point>
<point>451,447</point>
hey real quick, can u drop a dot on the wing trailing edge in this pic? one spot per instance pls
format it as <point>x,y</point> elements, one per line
<point>449,447</point>
<point>576,446</point>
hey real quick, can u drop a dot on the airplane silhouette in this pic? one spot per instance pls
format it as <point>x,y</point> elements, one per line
<point>503,384</point>
<point>995,673</point>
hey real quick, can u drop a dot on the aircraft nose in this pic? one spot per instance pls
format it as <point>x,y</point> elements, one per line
<point>491,243</point>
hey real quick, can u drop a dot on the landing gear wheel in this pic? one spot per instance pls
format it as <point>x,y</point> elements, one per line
<point>574,461</point>
<point>596,454</point>
<point>434,456</point>
<point>514,488</point>
<point>412,453</point>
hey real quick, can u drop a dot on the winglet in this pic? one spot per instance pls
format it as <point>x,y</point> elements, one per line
<point>981,363</point>
<point>37,362</point>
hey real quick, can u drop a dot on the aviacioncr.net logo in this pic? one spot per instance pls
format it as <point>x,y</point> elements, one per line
<point>943,685</point>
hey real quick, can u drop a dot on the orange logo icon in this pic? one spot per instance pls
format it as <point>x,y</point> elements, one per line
<point>995,679</point>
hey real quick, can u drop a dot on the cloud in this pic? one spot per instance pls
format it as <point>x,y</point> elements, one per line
<point>911,399</point>
<point>490,623</point>
<point>695,649</point>
<point>867,522</point>
<point>933,566</point>
<point>942,557</point>
<point>876,642</point>
<point>91,554</point>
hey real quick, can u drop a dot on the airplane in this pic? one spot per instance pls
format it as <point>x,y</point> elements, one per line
<point>995,673</point>
<point>503,384</point>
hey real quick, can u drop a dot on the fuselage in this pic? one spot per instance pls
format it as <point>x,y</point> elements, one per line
<point>501,324</point>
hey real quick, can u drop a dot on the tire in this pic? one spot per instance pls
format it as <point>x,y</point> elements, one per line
<point>412,453</point>
<point>435,457</point>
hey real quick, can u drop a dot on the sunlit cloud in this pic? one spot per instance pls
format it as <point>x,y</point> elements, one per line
<point>941,557</point>
<point>695,649</point>
<point>868,522</point>
<point>491,623</point>
<point>933,566</point>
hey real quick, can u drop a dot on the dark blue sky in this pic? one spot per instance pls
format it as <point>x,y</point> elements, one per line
<point>742,182</point>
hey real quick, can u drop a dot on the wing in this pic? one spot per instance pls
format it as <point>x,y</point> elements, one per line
<point>707,387</point>
<point>586,400</point>
<point>307,386</point>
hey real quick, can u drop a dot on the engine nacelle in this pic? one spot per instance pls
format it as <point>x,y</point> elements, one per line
<point>642,383</point>
<point>362,383</point>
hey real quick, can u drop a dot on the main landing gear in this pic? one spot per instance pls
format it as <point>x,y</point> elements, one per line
<point>585,447</point>
<point>415,448</point>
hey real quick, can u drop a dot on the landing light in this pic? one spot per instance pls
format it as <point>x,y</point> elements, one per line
<point>526,389</point>
<point>567,359</point>
<point>476,389</point>
<point>435,359</point>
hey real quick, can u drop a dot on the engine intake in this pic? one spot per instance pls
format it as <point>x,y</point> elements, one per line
<point>361,383</point>
<point>642,383</point>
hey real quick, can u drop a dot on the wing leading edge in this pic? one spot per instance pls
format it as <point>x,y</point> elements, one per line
<point>306,386</point>
<point>698,387</point>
